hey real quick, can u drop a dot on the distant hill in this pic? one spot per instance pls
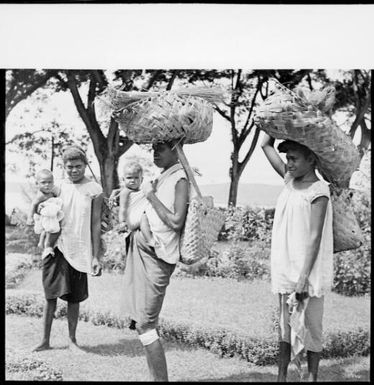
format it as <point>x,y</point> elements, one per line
<point>248,195</point>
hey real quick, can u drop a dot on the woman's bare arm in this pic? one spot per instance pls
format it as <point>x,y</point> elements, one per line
<point>272,155</point>
<point>174,220</point>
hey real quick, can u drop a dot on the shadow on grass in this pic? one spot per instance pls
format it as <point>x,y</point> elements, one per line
<point>245,377</point>
<point>125,347</point>
<point>334,372</point>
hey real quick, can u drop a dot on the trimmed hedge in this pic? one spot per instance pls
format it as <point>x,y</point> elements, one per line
<point>31,368</point>
<point>220,341</point>
<point>17,266</point>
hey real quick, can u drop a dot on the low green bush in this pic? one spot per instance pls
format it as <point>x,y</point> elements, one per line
<point>17,266</point>
<point>352,271</point>
<point>114,258</point>
<point>226,343</point>
<point>247,224</point>
<point>251,262</point>
<point>21,238</point>
<point>17,366</point>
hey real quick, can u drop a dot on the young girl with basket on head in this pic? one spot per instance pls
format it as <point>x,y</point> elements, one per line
<point>301,248</point>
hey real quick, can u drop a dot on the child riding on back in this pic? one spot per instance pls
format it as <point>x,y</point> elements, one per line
<point>133,202</point>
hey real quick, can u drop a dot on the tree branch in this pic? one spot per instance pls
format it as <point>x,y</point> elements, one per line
<point>360,116</point>
<point>244,133</point>
<point>250,151</point>
<point>20,136</point>
<point>222,113</point>
<point>171,81</point>
<point>94,131</point>
<point>12,99</point>
<point>152,80</point>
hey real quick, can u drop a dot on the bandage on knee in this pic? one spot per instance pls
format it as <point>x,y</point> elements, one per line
<point>148,337</point>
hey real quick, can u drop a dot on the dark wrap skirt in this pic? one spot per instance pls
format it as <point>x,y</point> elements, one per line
<point>145,280</point>
<point>61,280</point>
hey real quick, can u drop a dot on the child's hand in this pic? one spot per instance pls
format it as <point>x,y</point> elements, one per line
<point>149,188</point>
<point>30,221</point>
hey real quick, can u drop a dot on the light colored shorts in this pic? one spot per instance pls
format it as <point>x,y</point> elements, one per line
<point>313,322</point>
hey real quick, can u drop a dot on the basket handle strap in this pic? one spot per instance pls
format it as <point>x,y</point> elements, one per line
<point>92,173</point>
<point>94,176</point>
<point>187,169</point>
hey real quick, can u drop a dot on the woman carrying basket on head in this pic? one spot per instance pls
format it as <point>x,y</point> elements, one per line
<point>150,263</point>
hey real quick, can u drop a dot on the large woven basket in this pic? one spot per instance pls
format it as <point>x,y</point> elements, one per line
<point>346,230</point>
<point>203,222</point>
<point>149,117</point>
<point>286,115</point>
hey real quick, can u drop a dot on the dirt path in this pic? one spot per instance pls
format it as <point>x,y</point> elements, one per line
<point>110,354</point>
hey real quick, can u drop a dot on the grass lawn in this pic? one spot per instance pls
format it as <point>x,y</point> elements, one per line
<point>244,307</point>
<point>110,354</point>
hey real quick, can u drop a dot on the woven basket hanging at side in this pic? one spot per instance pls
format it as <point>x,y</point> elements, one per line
<point>203,221</point>
<point>165,116</point>
<point>346,230</point>
<point>286,115</point>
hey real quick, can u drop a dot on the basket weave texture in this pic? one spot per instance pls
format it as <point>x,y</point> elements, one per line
<point>203,223</point>
<point>346,230</point>
<point>286,115</point>
<point>150,117</point>
<point>203,220</point>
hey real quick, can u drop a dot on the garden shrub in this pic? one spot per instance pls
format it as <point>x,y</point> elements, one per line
<point>251,262</point>
<point>352,271</point>
<point>22,238</point>
<point>352,268</point>
<point>226,343</point>
<point>34,369</point>
<point>114,258</point>
<point>17,267</point>
<point>247,224</point>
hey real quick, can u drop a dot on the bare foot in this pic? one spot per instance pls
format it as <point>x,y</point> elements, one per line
<point>73,346</point>
<point>41,347</point>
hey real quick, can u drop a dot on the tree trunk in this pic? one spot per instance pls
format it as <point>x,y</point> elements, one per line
<point>109,175</point>
<point>233,194</point>
<point>234,179</point>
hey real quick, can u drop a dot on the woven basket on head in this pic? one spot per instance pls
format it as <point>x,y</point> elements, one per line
<point>150,117</point>
<point>286,115</point>
<point>346,230</point>
<point>203,222</point>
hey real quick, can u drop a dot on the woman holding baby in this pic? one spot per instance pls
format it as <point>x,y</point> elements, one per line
<point>152,246</point>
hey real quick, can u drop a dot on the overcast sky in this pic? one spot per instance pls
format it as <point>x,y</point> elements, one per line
<point>189,36</point>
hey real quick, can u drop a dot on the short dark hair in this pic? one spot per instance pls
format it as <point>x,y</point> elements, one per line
<point>296,146</point>
<point>74,152</point>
